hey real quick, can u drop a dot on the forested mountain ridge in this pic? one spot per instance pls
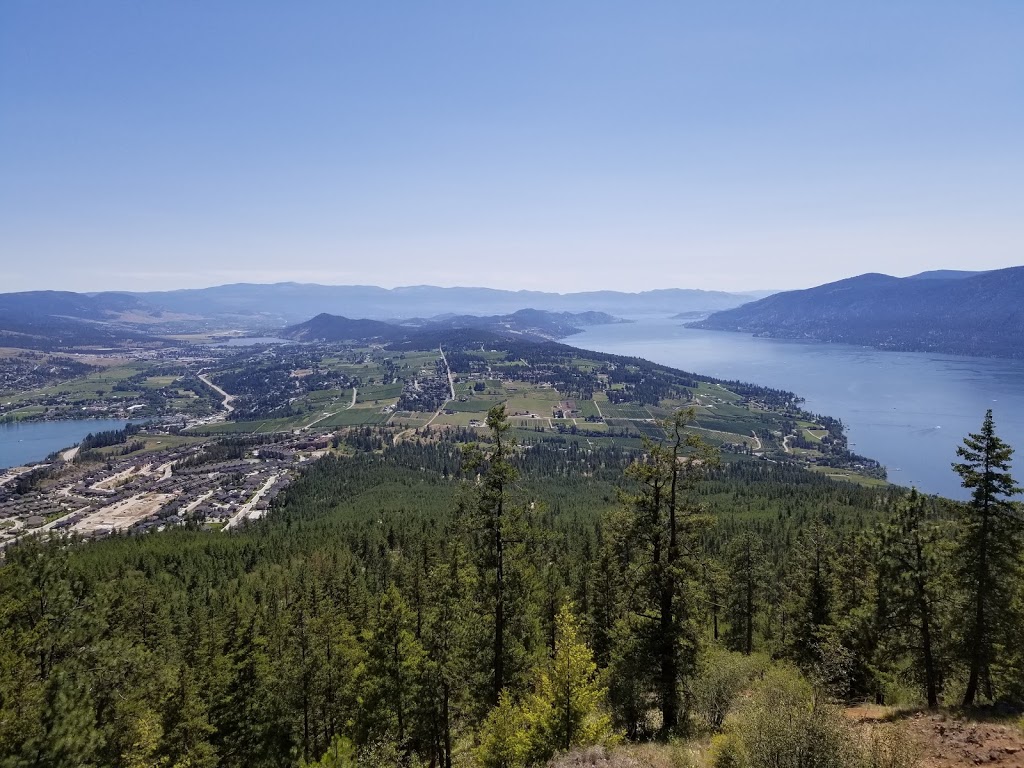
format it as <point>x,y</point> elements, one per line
<point>526,323</point>
<point>56,319</point>
<point>958,313</point>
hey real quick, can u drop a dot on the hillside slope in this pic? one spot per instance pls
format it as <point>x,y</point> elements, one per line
<point>979,315</point>
<point>526,323</point>
<point>60,319</point>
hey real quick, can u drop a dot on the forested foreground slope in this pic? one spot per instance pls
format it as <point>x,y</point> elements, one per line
<point>433,603</point>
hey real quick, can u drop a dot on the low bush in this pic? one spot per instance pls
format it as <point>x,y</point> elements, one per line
<point>723,676</point>
<point>783,723</point>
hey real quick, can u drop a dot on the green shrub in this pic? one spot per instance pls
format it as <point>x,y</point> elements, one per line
<point>505,740</point>
<point>723,676</point>
<point>784,725</point>
<point>724,752</point>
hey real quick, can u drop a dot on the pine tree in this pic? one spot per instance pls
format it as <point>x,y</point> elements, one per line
<point>989,551</point>
<point>657,532</point>
<point>813,637</point>
<point>909,579</point>
<point>569,691</point>
<point>745,568</point>
<point>565,709</point>
<point>446,641</point>
<point>395,660</point>
<point>186,726</point>
<point>507,580</point>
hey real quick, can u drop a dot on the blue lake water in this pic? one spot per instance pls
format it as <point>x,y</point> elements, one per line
<point>21,443</point>
<point>908,410</point>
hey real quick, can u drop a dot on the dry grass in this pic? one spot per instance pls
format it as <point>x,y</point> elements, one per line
<point>672,755</point>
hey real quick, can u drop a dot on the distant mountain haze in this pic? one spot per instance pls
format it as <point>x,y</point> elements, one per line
<point>953,311</point>
<point>266,308</point>
<point>62,319</point>
<point>964,313</point>
<point>293,302</point>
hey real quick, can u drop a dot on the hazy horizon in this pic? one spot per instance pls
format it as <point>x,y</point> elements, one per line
<point>569,147</point>
<point>467,286</point>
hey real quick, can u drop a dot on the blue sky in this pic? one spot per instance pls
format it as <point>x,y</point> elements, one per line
<point>557,145</point>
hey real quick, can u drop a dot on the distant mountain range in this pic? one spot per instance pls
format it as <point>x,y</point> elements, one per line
<point>964,313</point>
<point>282,303</point>
<point>56,319</point>
<point>532,324</point>
<point>60,319</point>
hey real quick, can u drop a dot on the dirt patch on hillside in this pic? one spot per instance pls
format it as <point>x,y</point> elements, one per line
<point>948,740</point>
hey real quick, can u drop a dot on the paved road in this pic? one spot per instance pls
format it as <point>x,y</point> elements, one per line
<point>227,398</point>
<point>245,509</point>
<point>451,388</point>
<point>451,379</point>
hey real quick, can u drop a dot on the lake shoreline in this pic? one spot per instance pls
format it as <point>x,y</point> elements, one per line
<point>41,439</point>
<point>908,410</point>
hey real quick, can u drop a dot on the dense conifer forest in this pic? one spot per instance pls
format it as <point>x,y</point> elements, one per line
<point>442,602</point>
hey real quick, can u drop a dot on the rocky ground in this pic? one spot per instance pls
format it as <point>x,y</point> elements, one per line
<point>947,738</point>
<point>944,739</point>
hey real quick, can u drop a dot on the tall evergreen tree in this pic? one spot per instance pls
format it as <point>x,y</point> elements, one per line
<point>507,579</point>
<point>658,539</point>
<point>909,587</point>
<point>812,635</point>
<point>395,668</point>
<point>745,569</point>
<point>990,548</point>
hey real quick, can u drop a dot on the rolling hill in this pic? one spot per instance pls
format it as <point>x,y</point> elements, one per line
<point>526,323</point>
<point>49,320</point>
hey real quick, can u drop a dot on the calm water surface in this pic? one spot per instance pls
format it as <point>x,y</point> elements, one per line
<point>34,441</point>
<point>908,410</point>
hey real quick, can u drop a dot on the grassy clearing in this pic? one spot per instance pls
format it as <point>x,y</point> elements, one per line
<point>246,427</point>
<point>472,406</point>
<point>409,420</point>
<point>851,477</point>
<point>457,419</point>
<point>379,392</point>
<point>625,411</point>
<point>354,417</point>
<point>156,443</point>
<point>328,396</point>
<point>159,382</point>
